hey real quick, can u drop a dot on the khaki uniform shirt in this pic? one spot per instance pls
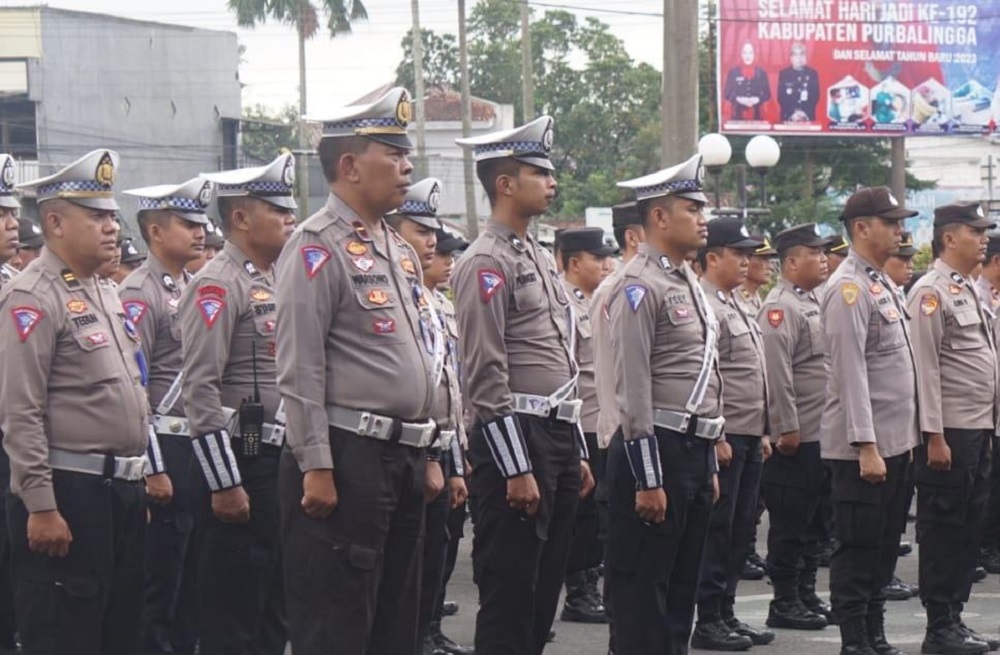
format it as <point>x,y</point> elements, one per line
<point>351,329</point>
<point>871,394</point>
<point>741,363</point>
<point>151,298</point>
<point>7,273</point>
<point>227,316</point>
<point>795,349</point>
<point>448,408</point>
<point>990,298</point>
<point>955,353</point>
<point>662,329</point>
<point>609,416</point>
<point>508,295</point>
<point>70,377</point>
<point>587,384</point>
<point>750,300</point>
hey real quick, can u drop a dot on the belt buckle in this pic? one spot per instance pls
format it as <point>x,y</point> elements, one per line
<point>278,435</point>
<point>365,424</point>
<point>685,422</point>
<point>427,434</point>
<point>133,468</point>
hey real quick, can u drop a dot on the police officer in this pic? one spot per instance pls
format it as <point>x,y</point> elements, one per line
<point>359,367</point>
<point>416,222</point>
<point>29,243</point>
<point>758,276</point>
<point>520,378</point>
<point>131,257</point>
<point>798,88</point>
<point>227,318</point>
<point>10,228</point>
<point>957,383</point>
<point>794,348</point>
<point>869,424</point>
<point>75,418</point>
<point>837,250</point>
<point>899,266</point>
<point>741,452</point>
<point>171,221</point>
<point>988,286</point>
<point>661,464</point>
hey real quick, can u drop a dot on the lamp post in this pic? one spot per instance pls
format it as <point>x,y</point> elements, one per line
<point>715,151</point>
<point>762,154</point>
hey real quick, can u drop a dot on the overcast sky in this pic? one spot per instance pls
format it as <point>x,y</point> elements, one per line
<point>346,68</point>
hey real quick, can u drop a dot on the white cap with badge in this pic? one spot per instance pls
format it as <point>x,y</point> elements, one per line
<point>384,120</point>
<point>421,203</point>
<point>7,178</point>
<point>188,200</point>
<point>273,183</point>
<point>88,182</point>
<point>684,180</point>
<point>530,144</point>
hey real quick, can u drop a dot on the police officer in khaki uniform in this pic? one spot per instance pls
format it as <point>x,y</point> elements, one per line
<point>759,275</point>
<point>869,424</point>
<point>171,221</point>
<point>957,383</point>
<point>662,465</point>
<point>360,358</point>
<point>29,242</point>
<point>9,222</point>
<point>416,222</point>
<point>131,257</point>
<point>988,286</point>
<point>741,451</point>
<point>794,347</point>
<point>520,381</point>
<point>585,265</point>
<point>227,319</point>
<point>75,418</point>
<point>899,267</point>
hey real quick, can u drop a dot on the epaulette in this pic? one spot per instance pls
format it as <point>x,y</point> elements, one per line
<point>634,267</point>
<point>318,222</point>
<point>136,278</point>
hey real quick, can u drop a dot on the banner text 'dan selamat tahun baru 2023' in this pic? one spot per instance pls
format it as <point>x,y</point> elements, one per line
<point>859,67</point>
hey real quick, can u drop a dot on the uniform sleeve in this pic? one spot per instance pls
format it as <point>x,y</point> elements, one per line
<point>208,315</point>
<point>482,299</point>
<point>136,303</point>
<point>779,349</point>
<point>846,312</point>
<point>27,349</point>
<point>634,311</point>
<point>926,333</point>
<point>308,291</point>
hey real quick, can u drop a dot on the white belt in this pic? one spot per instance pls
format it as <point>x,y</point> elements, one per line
<point>706,428</point>
<point>176,425</point>
<point>273,434</point>
<point>125,468</point>
<point>566,410</point>
<point>445,438</point>
<point>383,428</point>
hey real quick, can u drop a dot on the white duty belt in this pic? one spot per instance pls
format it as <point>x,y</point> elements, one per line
<point>383,428</point>
<point>120,468</point>
<point>567,411</point>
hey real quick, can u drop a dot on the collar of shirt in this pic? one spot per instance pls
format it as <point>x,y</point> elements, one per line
<point>505,233</point>
<point>950,273</point>
<point>713,290</point>
<point>52,262</point>
<point>161,274</point>
<point>664,262</point>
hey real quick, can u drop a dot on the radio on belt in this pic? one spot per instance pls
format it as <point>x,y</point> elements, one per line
<point>252,416</point>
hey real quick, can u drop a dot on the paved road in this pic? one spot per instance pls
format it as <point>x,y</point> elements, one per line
<point>905,622</point>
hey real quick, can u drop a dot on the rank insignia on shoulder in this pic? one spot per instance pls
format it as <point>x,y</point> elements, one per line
<point>408,266</point>
<point>361,231</point>
<point>25,320</point>
<point>720,295</point>
<point>929,304</point>
<point>70,279</point>
<point>168,282</point>
<point>250,269</point>
<point>579,294</point>
<point>665,263</point>
<point>490,282</point>
<point>635,294</point>
<point>314,258</point>
<point>76,306</point>
<point>211,309</point>
<point>849,292</point>
<point>135,310</point>
<point>356,249</point>
<point>775,318</point>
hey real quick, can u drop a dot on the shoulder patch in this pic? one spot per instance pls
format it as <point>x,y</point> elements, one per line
<point>849,292</point>
<point>635,294</point>
<point>314,258</point>
<point>25,320</point>
<point>210,309</point>
<point>775,317</point>
<point>490,282</point>
<point>135,310</point>
<point>929,304</point>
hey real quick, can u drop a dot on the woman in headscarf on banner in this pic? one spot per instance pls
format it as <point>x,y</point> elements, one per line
<point>747,87</point>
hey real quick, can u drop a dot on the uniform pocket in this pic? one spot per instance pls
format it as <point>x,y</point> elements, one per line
<point>890,329</point>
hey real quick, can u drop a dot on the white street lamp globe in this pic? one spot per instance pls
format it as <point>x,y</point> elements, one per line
<point>763,152</point>
<point>714,150</point>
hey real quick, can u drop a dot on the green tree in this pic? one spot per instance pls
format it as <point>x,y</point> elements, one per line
<point>441,66</point>
<point>265,134</point>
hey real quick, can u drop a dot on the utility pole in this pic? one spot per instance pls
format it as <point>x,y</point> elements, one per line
<point>302,156</point>
<point>527,75</point>
<point>418,76</point>
<point>898,169</point>
<point>679,103</point>
<point>471,218</point>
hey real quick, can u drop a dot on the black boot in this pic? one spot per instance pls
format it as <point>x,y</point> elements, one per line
<point>815,604</point>
<point>788,611</point>
<point>593,577</point>
<point>580,607</point>
<point>714,634</point>
<point>854,638</point>
<point>875,625</point>
<point>758,637</point>
<point>444,644</point>
<point>989,559</point>
<point>956,615</point>
<point>944,637</point>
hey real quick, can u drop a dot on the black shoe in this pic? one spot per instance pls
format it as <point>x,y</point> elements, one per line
<point>551,637</point>
<point>751,571</point>
<point>449,608</point>
<point>854,638</point>
<point>757,560</point>
<point>945,638</point>
<point>816,605</point>
<point>875,625</point>
<point>430,647</point>
<point>444,644</point>
<point>825,553</point>
<point>979,574</point>
<point>583,604</point>
<point>989,559</point>
<point>898,590</point>
<point>992,642</point>
<point>905,548</point>
<point>758,637</point>
<point>794,615</point>
<point>716,635</point>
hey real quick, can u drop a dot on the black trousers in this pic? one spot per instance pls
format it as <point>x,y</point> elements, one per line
<point>456,531</point>
<point>585,551</point>
<point>518,560</point>
<point>436,542</point>
<point>170,615</point>
<point>8,625</point>
<point>868,526</point>
<point>730,530</point>
<point>651,570</point>
<point>949,507</point>
<point>791,485</point>
<point>89,602</point>
<point>991,519</point>
<point>352,580</point>
<point>241,604</point>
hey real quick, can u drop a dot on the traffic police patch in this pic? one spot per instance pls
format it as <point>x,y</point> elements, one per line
<point>849,292</point>
<point>135,310</point>
<point>210,309</point>
<point>775,318</point>
<point>490,282</point>
<point>314,257</point>
<point>929,304</point>
<point>25,320</point>
<point>635,293</point>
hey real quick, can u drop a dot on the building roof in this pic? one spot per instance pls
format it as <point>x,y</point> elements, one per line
<point>109,18</point>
